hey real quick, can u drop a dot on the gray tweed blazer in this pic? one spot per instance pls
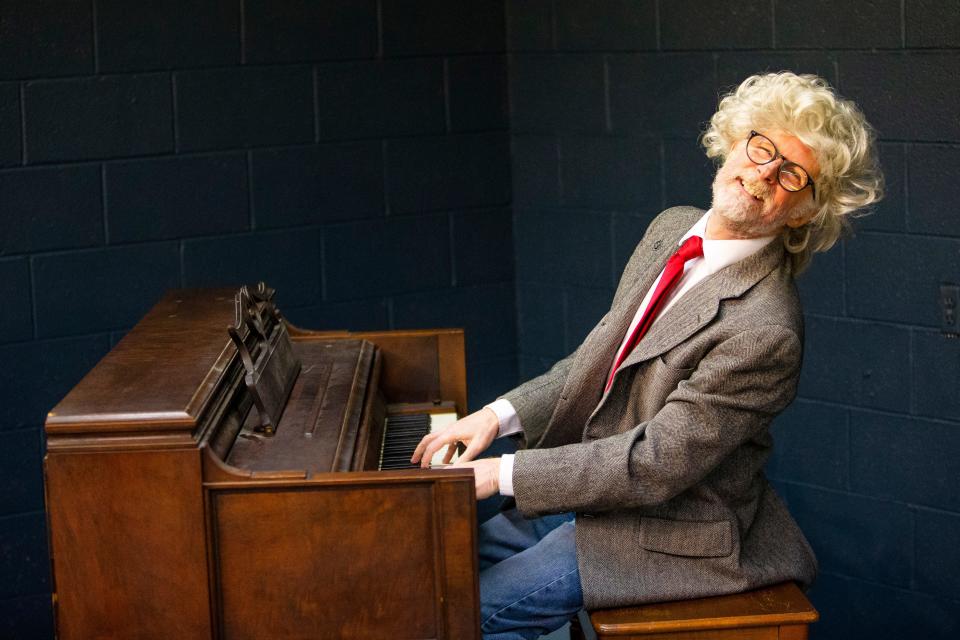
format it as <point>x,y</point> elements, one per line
<point>665,472</point>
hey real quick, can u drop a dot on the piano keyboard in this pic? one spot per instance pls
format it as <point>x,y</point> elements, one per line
<point>404,432</point>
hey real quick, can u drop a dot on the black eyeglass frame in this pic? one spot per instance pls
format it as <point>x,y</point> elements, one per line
<point>777,154</point>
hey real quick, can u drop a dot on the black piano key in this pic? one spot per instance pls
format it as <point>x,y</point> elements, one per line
<point>402,435</point>
<point>406,439</point>
<point>398,451</point>
<point>396,434</point>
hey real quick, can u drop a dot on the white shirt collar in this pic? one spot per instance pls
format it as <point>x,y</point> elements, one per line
<point>718,254</point>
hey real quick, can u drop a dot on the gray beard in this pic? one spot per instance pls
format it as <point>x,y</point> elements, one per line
<point>740,217</point>
<point>746,228</point>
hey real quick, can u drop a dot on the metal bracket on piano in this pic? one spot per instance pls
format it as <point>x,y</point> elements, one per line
<point>270,365</point>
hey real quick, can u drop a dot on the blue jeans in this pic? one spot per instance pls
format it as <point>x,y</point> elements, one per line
<point>529,582</point>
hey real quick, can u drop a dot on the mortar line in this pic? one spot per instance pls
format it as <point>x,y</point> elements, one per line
<point>453,255</point>
<point>35,322</point>
<point>553,25</point>
<point>607,110</point>
<point>23,123</point>
<point>183,263</point>
<point>251,212</point>
<point>243,32</point>
<point>446,96</point>
<point>903,24</point>
<point>105,216</point>
<point>773,23</point>
<point>175,112</point>
<point>316,103</point>
<point>323,263</point>
<point>656,21</point>
<point>96,39</point>
<point>379,29</point>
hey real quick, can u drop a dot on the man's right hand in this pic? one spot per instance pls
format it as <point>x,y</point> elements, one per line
<point>476,430</point>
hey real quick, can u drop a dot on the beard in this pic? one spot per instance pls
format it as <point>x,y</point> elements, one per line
<point>744,215</point>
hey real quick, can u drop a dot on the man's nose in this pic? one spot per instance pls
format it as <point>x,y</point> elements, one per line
<point>768,171</point>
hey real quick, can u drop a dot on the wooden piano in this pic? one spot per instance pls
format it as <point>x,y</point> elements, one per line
<point>218,475</point>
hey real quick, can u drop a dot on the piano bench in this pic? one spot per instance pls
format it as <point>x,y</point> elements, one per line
<point>779,612</point>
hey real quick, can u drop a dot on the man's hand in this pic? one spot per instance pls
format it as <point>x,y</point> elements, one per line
<point>486,474</point>
<point>477,431</point>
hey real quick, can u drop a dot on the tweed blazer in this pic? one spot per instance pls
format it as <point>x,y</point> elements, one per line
<point>665,471</point>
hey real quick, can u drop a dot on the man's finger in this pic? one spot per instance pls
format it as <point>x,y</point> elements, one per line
<point>420,447</point>
<point>473,450</point>
<point>432,448</point>
<point>448,456</point>
<point>419,450</point>
<point>425,456</point>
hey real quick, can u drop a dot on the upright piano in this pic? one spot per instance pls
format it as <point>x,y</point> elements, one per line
<point>223,474</point>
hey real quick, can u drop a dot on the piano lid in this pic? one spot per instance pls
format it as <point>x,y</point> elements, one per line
<point>162,375</point>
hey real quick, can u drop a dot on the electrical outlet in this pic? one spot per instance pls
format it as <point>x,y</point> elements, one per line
<point>950,310</point>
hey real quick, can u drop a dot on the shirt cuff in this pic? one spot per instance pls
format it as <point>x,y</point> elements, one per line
<point>507,416</point>
<point>506,474</point>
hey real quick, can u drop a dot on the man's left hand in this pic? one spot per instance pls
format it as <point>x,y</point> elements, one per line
<point>486,472</point>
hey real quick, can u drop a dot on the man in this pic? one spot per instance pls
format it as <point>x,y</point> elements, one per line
<point>640,478</point>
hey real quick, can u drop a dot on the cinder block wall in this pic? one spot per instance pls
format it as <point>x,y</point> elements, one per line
<point>607,100</point>
<point>353,154</point>
<point>191,144</point>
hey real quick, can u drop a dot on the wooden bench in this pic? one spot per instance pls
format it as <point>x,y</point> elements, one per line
<point>780,612</point>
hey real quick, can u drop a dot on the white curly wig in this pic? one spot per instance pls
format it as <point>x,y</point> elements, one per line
<point>835,129</point>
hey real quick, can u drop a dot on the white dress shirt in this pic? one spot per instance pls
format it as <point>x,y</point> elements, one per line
<point>717,254</point>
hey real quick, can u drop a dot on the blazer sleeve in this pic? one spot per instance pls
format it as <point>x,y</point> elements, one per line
<point>535,400</point>
<point>733,394</point>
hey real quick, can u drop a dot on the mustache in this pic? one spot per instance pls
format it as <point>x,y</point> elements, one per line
<point>760,188</point>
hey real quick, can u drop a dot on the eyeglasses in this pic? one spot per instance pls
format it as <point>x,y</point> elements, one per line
<point>790,175</point>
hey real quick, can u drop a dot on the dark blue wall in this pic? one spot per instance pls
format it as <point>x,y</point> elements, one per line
<point>353,154</point>
<point>607,100</point>
<point>359,157</point>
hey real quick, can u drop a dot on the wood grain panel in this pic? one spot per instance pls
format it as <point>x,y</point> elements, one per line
<point>794,632</point>
<point>126,534</point>
<point>453,369</point>
<point>458,540</point>
<point>357,562</point>
<point>419,365</point>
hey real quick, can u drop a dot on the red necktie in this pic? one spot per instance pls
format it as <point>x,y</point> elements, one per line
<point>691,248</point>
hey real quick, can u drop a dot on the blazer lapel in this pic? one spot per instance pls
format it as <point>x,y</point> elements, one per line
<point>699,306</point>
<point>624,310</point>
